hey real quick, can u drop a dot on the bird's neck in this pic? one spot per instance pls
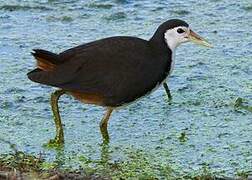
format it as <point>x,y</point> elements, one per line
<point>158,41</point>
<point>158,44</point>
<point>160,47</point>
<point>163,52</point>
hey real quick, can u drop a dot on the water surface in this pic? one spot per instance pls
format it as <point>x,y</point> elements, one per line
<point>204,84</point>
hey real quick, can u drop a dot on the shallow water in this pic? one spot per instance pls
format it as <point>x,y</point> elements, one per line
<point>204,83</point>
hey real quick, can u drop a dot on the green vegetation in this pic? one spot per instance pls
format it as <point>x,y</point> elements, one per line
<point>240,103</point>
<point>138,165</point>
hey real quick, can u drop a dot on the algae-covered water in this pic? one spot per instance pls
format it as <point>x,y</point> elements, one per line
<point>200,128</point>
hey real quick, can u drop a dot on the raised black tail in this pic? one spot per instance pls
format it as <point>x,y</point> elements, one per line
<point>46,64</point>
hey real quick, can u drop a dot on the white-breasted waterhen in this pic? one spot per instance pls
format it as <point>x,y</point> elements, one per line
<point>111,72</point>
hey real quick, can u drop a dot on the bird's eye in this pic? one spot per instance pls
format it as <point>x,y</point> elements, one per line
<point>180,31</point>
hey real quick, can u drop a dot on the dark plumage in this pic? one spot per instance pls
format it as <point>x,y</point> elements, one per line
<point>119,69</point>
<point>109,72</point>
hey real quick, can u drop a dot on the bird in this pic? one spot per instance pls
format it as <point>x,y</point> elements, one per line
<point>112,72</point>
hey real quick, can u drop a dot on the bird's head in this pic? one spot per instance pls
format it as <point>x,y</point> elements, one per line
<point>175,32</point>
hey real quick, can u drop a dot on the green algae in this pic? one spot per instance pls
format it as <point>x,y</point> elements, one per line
<point>247,8</point>
<point>199,126</point>
<point>116,16</point>
<point>239,103</point>
<point>100,6</point>
<point>23,8</point>
<point>182,137</point>
<point>64,19</point>
<point>139,165</point>
<point>181,12</point>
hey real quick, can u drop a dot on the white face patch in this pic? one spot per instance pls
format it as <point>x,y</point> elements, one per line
<point>174,37</point>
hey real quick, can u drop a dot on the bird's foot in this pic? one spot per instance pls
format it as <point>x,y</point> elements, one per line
<point>238,102</point>
<point>57,142</point>
<point>105,141</point>
<point>170,98</point>
<point>105,137</point>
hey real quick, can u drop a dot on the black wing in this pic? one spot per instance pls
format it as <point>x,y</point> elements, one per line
<point>120,69</point>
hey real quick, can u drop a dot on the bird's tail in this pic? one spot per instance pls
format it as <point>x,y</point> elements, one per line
<point>46,61</point>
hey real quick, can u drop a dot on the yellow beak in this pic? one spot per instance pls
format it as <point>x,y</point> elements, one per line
<point>198,40</point>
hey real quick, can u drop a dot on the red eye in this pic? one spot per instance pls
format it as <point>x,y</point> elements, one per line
<point>180,31</point>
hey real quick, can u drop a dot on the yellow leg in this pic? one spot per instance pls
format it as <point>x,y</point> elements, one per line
<point>59,138</point>
<point>167,90</point>
<point>104,125</point>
